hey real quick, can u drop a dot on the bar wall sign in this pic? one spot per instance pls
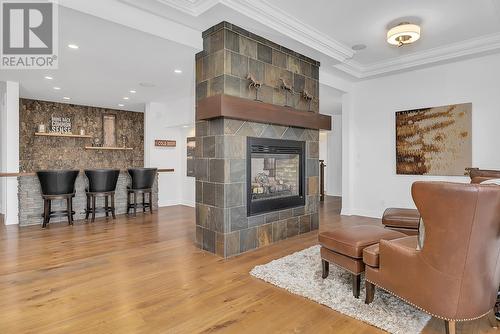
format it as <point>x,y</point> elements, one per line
<point>165,143</point>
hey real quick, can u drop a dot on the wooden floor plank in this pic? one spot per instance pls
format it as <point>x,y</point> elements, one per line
<point>144,275</point>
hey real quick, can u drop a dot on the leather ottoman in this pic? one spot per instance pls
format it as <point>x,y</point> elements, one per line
<point>344,247</point>
<point>402,220</point>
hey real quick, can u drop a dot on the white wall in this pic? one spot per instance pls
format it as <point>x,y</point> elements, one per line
<point>333,183</point>
<point>9,149</point>
<point>170,121</point>
<point>370,180</point>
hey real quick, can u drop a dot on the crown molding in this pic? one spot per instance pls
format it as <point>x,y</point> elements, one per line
<point>191,7</point>
<point>476,46</point>
<point>273,17</point>
<point>288,25</point>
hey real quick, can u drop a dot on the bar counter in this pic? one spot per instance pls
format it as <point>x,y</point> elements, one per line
<point>31,203</point>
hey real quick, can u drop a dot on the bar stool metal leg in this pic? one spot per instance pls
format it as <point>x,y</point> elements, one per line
<point>106,205</point>
<point>69,205</point>
<point>46,213</point>
<point>113,205</point>
<point>87,211</point>
<point>128,202</point>
<point>150,202</point>
<point>143,202</point>
<point>135,204</point>
<point>93,208</point>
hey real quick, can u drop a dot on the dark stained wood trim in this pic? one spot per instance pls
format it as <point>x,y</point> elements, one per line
<point>249,110</point>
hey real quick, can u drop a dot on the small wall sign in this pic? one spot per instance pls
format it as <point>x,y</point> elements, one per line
<point>60,124</point>
<point>165,143</point>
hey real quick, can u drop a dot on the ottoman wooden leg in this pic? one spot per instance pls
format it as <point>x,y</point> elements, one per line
<point>370,292</point>
<point>326,266</point>
<point>356,283</point>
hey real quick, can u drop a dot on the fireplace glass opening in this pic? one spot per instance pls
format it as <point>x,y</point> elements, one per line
<point>275,174</point>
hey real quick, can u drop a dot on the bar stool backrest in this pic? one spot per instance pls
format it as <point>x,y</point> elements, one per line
<point>57,182</point>
<point>102,180</point>
<point>142,178</point>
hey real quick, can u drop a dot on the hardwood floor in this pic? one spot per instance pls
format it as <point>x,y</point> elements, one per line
<point>144,275</point>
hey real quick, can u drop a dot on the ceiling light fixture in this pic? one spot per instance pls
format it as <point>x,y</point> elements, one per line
<point>178,71</point>
<point>73,46</point>
<point>133,91</point>
<point>125,97</point>
<point>48,77</point>
<point>57,88</point>
<point>66,98</point>
<point>121,105</point>
<point>403,34</point>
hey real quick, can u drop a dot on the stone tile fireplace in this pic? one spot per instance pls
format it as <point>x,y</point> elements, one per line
<point>256,162</point>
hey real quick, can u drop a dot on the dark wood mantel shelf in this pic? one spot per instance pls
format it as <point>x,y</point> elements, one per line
<point>249,110</point>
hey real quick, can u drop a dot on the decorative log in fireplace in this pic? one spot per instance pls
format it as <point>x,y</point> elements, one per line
<point>275,174</point>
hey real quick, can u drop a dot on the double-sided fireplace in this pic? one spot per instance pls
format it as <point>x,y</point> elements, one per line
<point>275,174</point>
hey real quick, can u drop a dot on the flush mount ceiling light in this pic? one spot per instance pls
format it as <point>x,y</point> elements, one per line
<point>403,34</point>
<point>73,46</point>
<point>121,105</point>
<point>178,71</point>
<point>66,98</point>
<point>48,77</point>
<point>57,88</point>
<point>125,97</point>
<point>133,91</point>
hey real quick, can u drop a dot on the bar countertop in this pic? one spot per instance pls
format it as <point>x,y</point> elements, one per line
<point>160,170</point>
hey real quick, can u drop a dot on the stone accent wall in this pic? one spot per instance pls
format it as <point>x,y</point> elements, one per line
<point>31,203</point>
<point>37,152</point>
<point>230,53</point>
<point>222,225</point>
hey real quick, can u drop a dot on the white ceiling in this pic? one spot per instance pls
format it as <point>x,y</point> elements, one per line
<point>111,60</point>
<point>124,42</point>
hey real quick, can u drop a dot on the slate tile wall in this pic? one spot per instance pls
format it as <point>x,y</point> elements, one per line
<point>229,54</point>
<point>222,224</point>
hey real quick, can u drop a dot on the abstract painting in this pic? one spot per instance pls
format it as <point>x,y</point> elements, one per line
<point>434,141</point>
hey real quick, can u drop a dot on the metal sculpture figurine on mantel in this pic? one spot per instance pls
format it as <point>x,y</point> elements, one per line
<point>308,97</point>
<point>287,88</point>
<point>254,84</point>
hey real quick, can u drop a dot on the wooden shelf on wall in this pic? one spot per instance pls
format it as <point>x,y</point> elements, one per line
<point>249,110</point>
<point>109,148</point>
<point>67,135</point>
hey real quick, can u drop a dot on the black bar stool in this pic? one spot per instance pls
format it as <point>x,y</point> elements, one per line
<point>57,184</point>
<point>102,183</point>
<point>142,183</point>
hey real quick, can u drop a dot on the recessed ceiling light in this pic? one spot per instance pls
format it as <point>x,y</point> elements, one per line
<point>147,84</point>
<point>125,97</point>
<point>66,98</point>
<point>358,47</point>
<point>48,77</point>
<point>185,126</point>
<point>73,46</point>
<point>57,88</point>
<point>133,91</point>
<point>178,71</point>
<point>121,105</point>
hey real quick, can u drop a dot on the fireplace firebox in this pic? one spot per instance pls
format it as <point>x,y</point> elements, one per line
<point>275,174</point>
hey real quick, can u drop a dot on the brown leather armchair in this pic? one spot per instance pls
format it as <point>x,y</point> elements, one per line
<point>455,276</point>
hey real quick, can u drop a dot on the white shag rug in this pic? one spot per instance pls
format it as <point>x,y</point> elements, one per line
<point>300,273</point>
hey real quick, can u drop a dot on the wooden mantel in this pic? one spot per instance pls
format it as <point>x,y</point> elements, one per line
<point>250,110</point>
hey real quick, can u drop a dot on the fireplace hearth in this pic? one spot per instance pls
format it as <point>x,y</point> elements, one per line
<point>275,174</point>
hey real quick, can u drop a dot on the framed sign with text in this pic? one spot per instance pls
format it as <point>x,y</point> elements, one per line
<point>165,143</point>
